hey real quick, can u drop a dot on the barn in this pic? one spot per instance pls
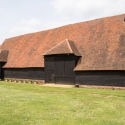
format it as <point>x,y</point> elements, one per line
<point>89,53</point>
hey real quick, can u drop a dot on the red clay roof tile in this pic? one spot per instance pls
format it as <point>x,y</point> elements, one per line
<point>65,47</point>
<point>3,55</point>
<point>101,43</point>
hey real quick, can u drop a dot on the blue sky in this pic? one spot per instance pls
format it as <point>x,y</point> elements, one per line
<point>25,16</point>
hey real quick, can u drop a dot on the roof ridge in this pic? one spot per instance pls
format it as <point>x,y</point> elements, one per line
<point>69,46</point>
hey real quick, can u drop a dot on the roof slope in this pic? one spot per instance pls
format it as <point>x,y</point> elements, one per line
<point>101,43</point>
<point>65,47</point>
<point>3,55</point>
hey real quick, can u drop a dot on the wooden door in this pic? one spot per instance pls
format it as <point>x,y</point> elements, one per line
<point>64,66</point>
<point>49,69</point>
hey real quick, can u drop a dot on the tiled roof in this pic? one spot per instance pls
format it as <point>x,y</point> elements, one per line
<point>65,47</point>
<point>101,43</point>
<point>3,55</point>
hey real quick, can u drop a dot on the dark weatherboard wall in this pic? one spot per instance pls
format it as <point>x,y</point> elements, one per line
<point>59,68</point>
<point>1,70</point>
<point>25,73</point>
<point>102,78</point>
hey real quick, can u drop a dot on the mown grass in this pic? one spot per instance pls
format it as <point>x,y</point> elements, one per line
<point>27,104</point>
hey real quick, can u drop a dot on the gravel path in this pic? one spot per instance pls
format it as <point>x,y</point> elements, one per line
<point>58,85</point>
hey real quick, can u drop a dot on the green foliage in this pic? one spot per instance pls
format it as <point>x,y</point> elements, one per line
<point>29,104</point>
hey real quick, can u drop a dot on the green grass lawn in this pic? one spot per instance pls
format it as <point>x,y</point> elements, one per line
<point>28,104</point>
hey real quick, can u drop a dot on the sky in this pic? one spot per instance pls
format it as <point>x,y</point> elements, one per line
<point>18,17</point>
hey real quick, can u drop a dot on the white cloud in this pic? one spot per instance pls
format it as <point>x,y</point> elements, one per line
<point>26,26</point>
<point>87,9</point>
<point>34,25</point>
<point>69,11</point>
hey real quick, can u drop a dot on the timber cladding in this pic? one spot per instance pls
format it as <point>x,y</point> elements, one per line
<point>25,73</point>
<point>101,78</point>
<point>2,70</point>
<point>59,69</point>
